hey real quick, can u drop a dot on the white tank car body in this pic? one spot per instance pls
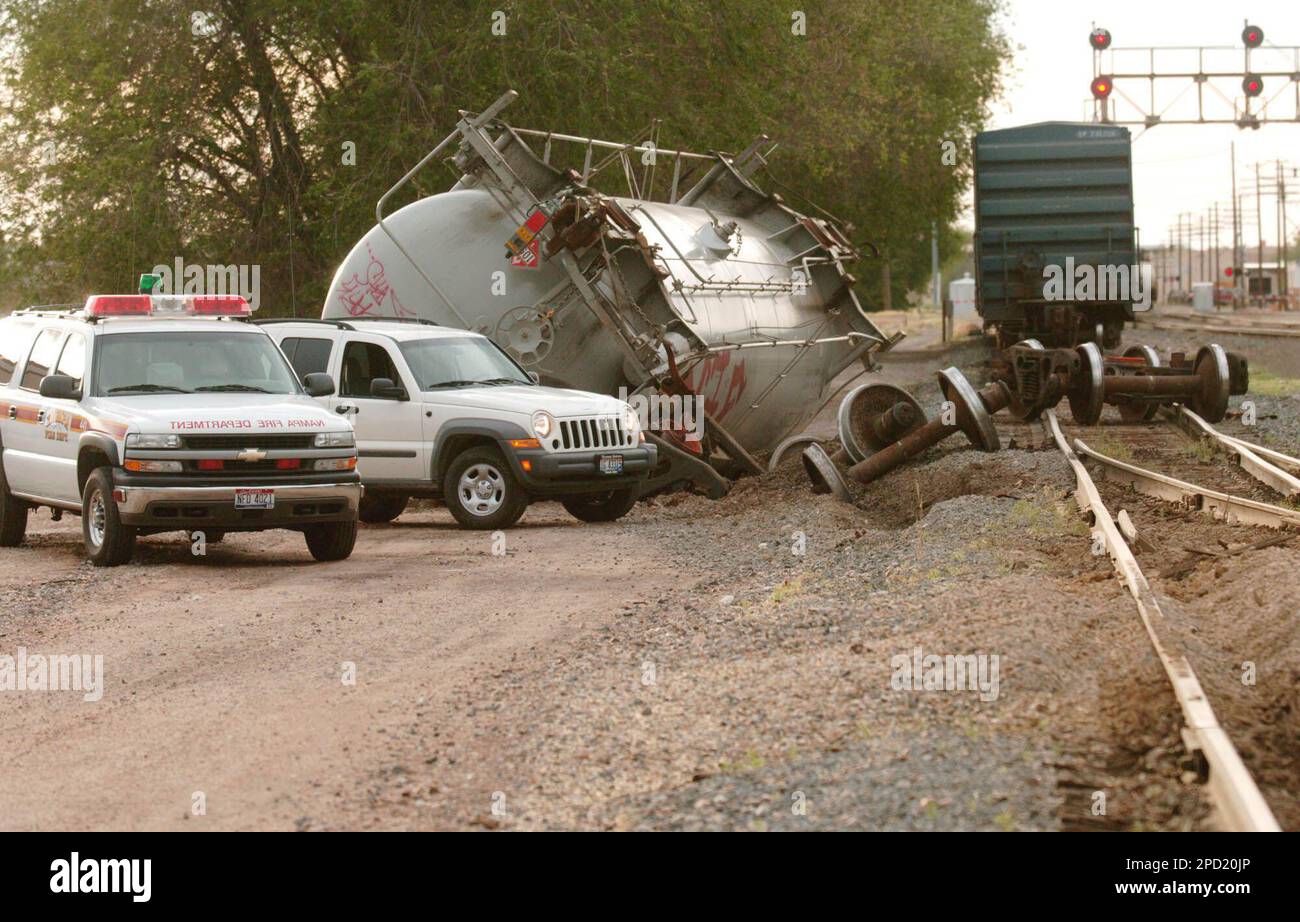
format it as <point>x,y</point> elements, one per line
<point>748,301</point>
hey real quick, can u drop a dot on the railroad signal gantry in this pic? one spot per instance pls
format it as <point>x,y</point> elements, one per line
<point>1268,76</point>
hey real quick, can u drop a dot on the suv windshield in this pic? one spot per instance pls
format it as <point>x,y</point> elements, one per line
<point>460,361</point>
<point>191,362</point>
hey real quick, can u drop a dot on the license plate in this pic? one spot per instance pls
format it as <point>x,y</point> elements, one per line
<point>611,464</point>
<point>254,499</point>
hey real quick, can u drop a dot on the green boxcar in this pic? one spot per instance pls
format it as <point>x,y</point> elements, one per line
<point>1046,193</point>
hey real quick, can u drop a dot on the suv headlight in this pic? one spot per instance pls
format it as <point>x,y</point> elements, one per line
<point>144,440</point>
<point>341,439</point>
<point>632,420</point>
<point>543,424</point>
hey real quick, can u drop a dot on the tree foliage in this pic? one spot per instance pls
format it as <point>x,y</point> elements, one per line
<point>135,131</point>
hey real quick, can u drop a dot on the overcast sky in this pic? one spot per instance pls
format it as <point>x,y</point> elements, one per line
<point>1176,168</point>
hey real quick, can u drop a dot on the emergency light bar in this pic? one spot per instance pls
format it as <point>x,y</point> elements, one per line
<point>167,306</point>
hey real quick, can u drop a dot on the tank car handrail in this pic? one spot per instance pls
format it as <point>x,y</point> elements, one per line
<point>612,145</point>
<point>485,116</point>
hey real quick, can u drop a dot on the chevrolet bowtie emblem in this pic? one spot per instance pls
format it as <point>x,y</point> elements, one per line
<point>250,454</point>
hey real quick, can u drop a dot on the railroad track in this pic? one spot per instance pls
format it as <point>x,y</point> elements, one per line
<point>1210,323</point>
<point>1237,483</point>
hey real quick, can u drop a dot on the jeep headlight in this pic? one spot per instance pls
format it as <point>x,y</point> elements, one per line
<point>341,439</point>
<point>144,440</point>
<point>543,424</point>
<point>632,420</point>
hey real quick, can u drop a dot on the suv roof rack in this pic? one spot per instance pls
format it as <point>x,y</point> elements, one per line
<point>344,324</point>
<point>422,320</point>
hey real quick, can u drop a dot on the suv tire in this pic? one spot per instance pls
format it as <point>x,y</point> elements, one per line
<point>331,541</point>
<point>480,490</point>
<point>379,508</point>
<point>108,542</point>
<point>13,514</point>
<point>601,507</point>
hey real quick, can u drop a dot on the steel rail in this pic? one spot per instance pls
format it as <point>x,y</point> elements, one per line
<point>1273,455</point>
<point>1236,797</point>
<point>1249,460</point>
<point>1223,506</point>
<point>1188,326</point>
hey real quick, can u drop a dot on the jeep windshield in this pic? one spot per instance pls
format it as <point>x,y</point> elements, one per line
<point>460,361</point>
<point>192,362</point>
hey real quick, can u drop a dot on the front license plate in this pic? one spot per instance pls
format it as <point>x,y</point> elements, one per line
<point>254,499</point>
<point>611,464</point>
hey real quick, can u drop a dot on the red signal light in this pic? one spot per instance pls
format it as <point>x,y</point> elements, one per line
<point>1101,87</point>
<point>1252,36</point>
<point>1252,85</point>
<point>1228,272</point>
<point>1099,39</point>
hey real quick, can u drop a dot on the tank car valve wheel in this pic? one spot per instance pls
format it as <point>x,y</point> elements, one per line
<point>1139,411</point>
<point>526,334</point>
<point>1210,399</point>
<point>1087,392</point>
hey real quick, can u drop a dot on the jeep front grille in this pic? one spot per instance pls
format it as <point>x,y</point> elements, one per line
<point>594,432</point>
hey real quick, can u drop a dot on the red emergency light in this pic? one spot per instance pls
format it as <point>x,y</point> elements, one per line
<point>221,306</point>
<point>167,305</point>
<point>118,305</point>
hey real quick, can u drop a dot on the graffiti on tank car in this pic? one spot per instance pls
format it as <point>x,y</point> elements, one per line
<point>360,297</point>
<point>721,381</point>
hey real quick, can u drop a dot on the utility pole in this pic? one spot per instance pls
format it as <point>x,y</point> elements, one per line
<point>1201,246</point>
<point>934,263</point>
<point>1236,282</point>
<point>1259,231</point>
<point>1286,256</point>
<point>1281,231</point>
<point>1215,219</point>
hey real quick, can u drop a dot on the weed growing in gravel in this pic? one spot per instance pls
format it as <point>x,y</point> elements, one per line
<point>751,761</point>
<point>1201,450</point>
<point>788,589</point>
<point>1108,445</point>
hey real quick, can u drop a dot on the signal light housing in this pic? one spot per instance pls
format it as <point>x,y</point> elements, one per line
<point>1252,85</point>
<point>167,305</point>
<point>1099,39</point>
<point>1101,87</point>
<point>1252,36</point>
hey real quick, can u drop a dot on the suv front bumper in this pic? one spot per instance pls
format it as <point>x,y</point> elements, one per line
<point>564,472</point>
<point>186,508</point>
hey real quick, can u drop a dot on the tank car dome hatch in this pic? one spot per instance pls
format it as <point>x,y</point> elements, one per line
<point>689,280</point>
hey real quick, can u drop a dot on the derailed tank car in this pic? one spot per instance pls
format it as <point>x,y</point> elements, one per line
<point>695,283</point>
<point>1055,194</point>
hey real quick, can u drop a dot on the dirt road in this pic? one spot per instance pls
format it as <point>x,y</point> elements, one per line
<point>699,665</point>
<point>224,674</point>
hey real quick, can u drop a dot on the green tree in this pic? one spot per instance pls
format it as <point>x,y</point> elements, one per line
<point>135,131</point>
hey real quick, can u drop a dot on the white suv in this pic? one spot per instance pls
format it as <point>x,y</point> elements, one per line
<point>147,413</point>
<point>446,413</point>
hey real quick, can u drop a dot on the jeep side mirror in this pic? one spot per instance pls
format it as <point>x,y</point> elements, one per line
<point>386,389</point>
<point>318,384</point>
<point>60,387</point>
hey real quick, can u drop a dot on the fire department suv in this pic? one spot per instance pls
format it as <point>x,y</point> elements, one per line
<point>446,413</point>
<point>146,413</point>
